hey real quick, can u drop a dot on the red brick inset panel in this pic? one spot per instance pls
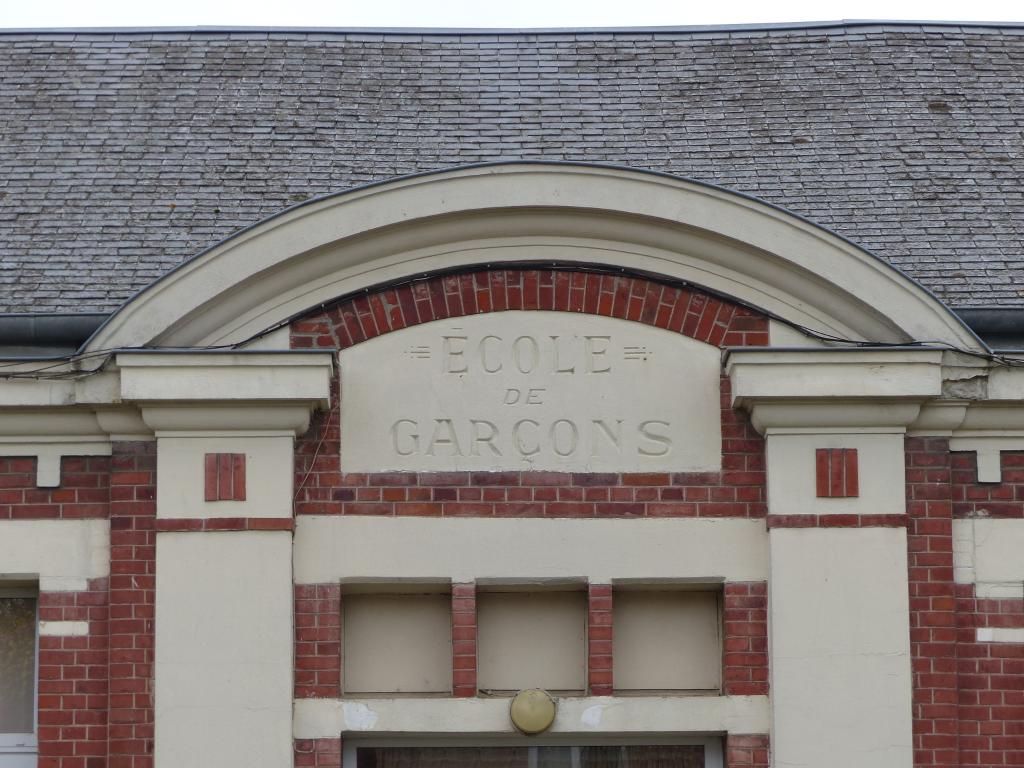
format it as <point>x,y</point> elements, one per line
<point>73,675</point>
<point>318,753</point>
<point>317,641</point>
<point>1003,499</point>
<point>84,490</point>
<point>836,521</point>
<point>836,473</point>
<point>745,648</point>
<point>225,477</point>
<point>132,592</point>
<point>743,751</point>
<point>204,524</point>
<point>464,632</point>
<point>933,618</point>
<point>599,640</point>
<point>991,683</point>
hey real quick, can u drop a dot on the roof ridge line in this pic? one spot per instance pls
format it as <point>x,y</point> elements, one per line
<point>448,31</point>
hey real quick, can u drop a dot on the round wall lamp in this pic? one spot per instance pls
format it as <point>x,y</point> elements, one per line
<point>532,711</point>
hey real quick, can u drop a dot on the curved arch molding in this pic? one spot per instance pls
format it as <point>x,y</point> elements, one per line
<point>529,212</point>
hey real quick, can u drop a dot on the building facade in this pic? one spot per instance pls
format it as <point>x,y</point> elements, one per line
<point>344,487</point>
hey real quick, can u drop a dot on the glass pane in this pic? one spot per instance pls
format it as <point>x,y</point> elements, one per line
<point>17,664</point>
<point>553,757</point>
<point>442,757</point>
<point>669,756</point>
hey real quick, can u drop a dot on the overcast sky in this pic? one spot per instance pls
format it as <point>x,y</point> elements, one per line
<point>484,13</point>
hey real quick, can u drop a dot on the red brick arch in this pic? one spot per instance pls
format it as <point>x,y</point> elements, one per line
<point>684,310</point>
<point>323,487</point>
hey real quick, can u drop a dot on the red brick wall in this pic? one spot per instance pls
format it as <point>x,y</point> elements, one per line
<point>746,751</point>
<point>464,638</point>
<point>990,676</point>
<point>73,681</point>
<point>317,641</point>
<point>132,591</point>
<point>1002,499</point>
<point>991,683</point>
<point>968,696</point>
<point>83,491</point>
<point>745,636</point>
<point>318,753</point>
<point>932,601</point>
<point>600,639</point>
<point>73,671</point>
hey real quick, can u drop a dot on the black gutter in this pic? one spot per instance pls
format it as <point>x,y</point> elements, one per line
<point>1002,328</point>
<point>54,335</point>
<point>46,335</point>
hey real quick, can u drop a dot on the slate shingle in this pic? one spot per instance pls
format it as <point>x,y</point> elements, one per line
<point>122,155</point>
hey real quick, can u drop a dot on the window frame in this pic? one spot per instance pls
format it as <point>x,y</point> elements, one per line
<point>12,743</point>
<point>714,744</point>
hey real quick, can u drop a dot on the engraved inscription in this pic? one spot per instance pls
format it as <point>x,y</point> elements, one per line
<point>530,390</point>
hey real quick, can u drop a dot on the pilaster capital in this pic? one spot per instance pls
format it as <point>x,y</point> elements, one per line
<point>812,390</point>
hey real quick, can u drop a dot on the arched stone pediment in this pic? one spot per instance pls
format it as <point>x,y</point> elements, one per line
<point>524,213</point>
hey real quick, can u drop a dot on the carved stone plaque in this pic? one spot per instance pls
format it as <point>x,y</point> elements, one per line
<point>530,390</point>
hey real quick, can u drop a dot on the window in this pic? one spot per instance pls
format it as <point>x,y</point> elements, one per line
<point>695,752</point>
<point>667,640</point>
<point>531,640</point>
<point>396,643</point>
<point>18,652</point>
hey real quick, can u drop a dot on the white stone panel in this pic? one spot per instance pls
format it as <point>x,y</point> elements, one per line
<point>1000,635</point>
<point>63,628</point>
<point>63,554</point>
<point>987,553</point>
<point>792,487</point>
<point>998,550</point>
<point>583,715</point>
<point>530,390</point>
<point>840,648</point>
<point>667,640</point>
<point>223,650</point>
<point>531,640</point>
<point>269,476</point>
<point>329,548</point>
<point>397,643</point>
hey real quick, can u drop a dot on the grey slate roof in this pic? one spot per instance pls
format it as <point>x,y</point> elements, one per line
<point>122,154</point>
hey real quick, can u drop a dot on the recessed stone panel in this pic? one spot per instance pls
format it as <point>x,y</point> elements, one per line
<point>530,391</point>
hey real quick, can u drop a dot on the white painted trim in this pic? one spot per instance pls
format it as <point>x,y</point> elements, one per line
<point>1000,635</point>
<point>988,449</point>
<point>576,716</point>
<point>63,628</point>
<point>22,745</point>
<point>682,229</point>
<point>62,554</point>
<point>329,548</point>
<point>48,454</point>
<point>62,584</point>
<point>999,590</point>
